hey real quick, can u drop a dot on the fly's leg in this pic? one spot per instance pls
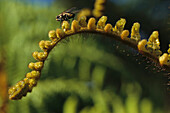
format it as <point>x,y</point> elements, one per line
<point>68,21</point>
<point>60,22</point>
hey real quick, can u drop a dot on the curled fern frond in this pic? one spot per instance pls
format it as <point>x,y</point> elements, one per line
<point>148,48</point>
<point>99,7</point>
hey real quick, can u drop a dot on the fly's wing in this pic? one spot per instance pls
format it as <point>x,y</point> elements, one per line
<point>70,10</point>
<point>75,11</point>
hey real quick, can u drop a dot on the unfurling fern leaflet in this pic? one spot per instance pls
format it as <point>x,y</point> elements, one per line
<point>150,49</point>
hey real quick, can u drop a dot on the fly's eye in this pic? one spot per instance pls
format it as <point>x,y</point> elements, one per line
<point>57,16</point>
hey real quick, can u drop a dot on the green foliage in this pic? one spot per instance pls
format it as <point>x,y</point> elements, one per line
<point>84,73</point>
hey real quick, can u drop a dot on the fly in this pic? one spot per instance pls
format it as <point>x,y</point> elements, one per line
<point>67,14</point>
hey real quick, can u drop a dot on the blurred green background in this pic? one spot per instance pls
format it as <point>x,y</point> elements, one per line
<point>85,73</point>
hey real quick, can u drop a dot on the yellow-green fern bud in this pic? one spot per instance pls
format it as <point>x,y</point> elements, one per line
<point>142,45</point>
<point>38,65</point>
<point>82,21</point>
<point>124,34</point>
<point>75,26</point>
<point>60,33</point>
<point>42,45</point>
<point>153,44</point>
<point>91,24</point>
<point>41,56</point>
<point>48,45</point>
<point>32,83</point>
<point>65,26</point>
<point>163,59</point>
<point>33,75</point>
<point>101,23</point>
<point>35,55</point>
<point>119,26</point>
<point>31,65</point>
<point>52,34</point>
<point>108,28</point>
<point>18,91</point>
<point>135,35</point>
